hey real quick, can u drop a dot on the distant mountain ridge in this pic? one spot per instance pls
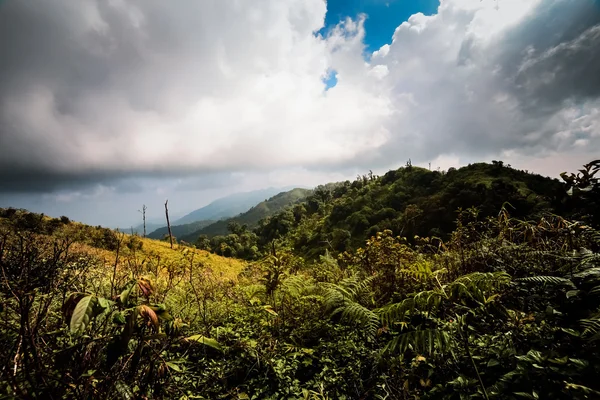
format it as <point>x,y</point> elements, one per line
<point>251,217</point>
<point>179,230</point>
<point>229,206</point>
<point>224,207</point>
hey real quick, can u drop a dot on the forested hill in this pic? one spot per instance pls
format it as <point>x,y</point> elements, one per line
<point>409,201</point>
<point>228,206</point>
<point>251,217</point>
<point>179,230</point>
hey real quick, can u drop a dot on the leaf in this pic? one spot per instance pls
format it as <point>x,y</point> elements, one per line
<point>526,395</point>
<point>82,314</point>
<point>572,293</point>
<point>270,310</point>
<point>70,304</point>
<point>146,287</point>
<point>118,318</point>
<point>493,363</point>
<point>103,303</point>
<point>173,366</point>
<point>124,296</point>
<point>149,314</point>
<point>205,341</point>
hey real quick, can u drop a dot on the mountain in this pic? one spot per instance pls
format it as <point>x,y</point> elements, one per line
<point>228,206</point>
<point>410,201</point>
<point>179,230</point>
<point>150,226</point>
<point>251,217</point>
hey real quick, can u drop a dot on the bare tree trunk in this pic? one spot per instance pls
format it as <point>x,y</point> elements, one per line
<point>168,223</point>
<point>144,218</point>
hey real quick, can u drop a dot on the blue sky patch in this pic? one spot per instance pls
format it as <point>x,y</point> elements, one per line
<point>331,79</point>
<point>383,16</point>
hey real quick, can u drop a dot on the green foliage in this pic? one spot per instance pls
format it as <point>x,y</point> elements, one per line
<point>503,302</point>
<point>253,216</point>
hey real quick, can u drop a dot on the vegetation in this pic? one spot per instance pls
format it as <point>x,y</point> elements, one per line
<point>179,230</point>
<point>228,206</point>
<point>409,201</point>
<point>499,304</point>
<point>233,237</point>
<point>254,215</point>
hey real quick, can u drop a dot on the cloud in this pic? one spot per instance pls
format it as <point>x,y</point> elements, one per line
<point>477,80</point>
<point>99,92</point>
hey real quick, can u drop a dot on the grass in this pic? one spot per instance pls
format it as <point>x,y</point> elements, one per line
<point>160,253</point>
<point>154,255</point>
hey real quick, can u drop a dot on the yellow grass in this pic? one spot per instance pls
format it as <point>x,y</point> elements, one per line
<point>161,252</point>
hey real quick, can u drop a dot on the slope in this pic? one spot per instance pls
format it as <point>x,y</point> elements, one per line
<point>179,230</point>
<point>409,201</point>
<point>251,217</point>
<point>108,247</point>
<point>228,206</point>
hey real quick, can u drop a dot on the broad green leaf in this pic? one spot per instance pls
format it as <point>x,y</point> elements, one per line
<point>173,366</point>
<point>205,341</point>
<point>493,363</point>
<point>82,314</point>
<point>270,310</point>
<point>124,296</point>
<point>102,302</point>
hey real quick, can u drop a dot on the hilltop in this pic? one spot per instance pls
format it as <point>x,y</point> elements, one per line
<point>408,201</point>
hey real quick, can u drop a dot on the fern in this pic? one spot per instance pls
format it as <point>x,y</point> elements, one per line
<point>426,301</point>
<point>591,328</point>
<point>345,300</point>
<point>422,341</point>
<point>298,286</point>
<point>544,280</point>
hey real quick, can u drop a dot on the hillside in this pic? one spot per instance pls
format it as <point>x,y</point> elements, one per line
<point>150,227</point>
<point>409,201</point>
<point>227,206</point>
<point>251,217</point>
<point>102,244</point>
<point>179,231</point>
<point>501,308</point>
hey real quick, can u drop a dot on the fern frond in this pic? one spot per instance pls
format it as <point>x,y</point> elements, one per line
<point>255,292</point>
<point>423,341</point>
<point>476,285</point>
<point>297,286</point>
<point>345,299</point>
<point>354,313</point>
<point>591,328</point>
<point>425,301</point>
<point>544,280</point>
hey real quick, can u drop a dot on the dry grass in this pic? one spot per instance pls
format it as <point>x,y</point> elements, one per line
<point>160,253</point>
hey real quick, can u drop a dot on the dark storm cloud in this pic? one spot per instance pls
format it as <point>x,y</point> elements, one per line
<point>554,56</point>
<point>97,92</point>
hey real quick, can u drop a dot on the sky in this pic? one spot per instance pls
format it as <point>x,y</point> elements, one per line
<point>106,105</point>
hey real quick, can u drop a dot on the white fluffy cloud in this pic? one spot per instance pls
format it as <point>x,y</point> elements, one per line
<point>97,90</point>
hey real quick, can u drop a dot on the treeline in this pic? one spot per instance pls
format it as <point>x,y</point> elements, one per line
<point>410,201</point>
<point>20,220</point>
